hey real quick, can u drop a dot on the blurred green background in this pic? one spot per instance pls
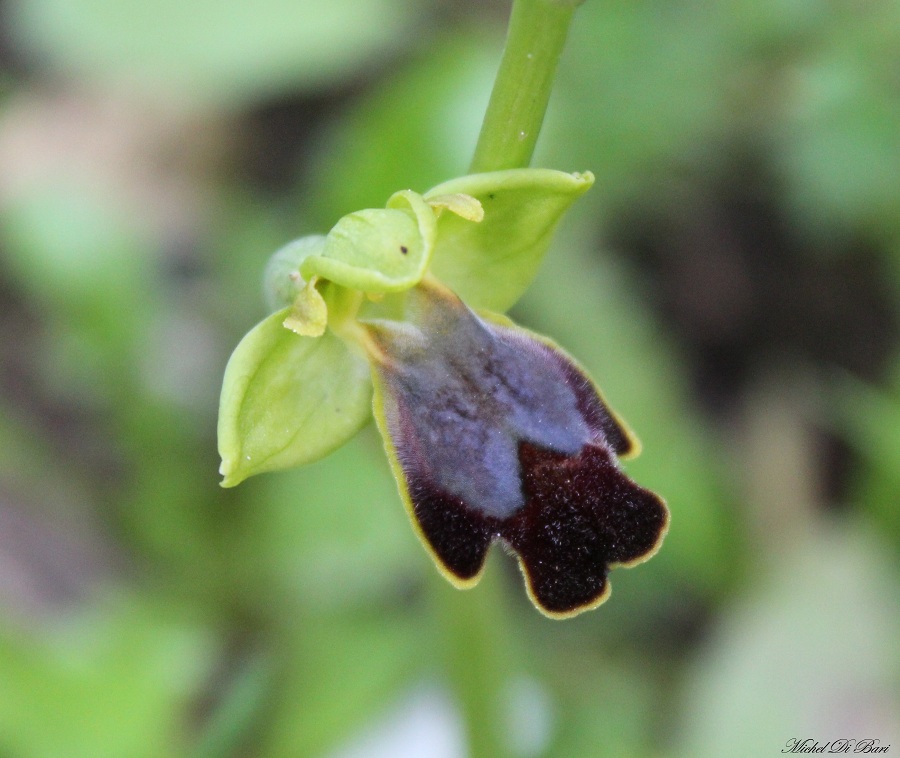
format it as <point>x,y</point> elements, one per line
<point>732,282</point>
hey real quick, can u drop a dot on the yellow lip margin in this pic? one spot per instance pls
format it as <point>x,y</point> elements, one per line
<point>397,470</point>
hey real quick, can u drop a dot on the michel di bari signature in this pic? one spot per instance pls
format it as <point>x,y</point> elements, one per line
<point>809,745</point>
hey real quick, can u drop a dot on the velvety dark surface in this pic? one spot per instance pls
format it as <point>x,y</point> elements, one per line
<point>499,435</point>
<point>582,516</point>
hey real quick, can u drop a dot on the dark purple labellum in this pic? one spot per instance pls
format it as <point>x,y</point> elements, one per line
<point>496,434</point>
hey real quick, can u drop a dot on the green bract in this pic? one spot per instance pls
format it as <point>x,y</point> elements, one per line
<point>297,386</point>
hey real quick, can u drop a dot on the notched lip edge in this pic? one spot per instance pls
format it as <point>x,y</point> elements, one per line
<point>655,547</point>
<point>577,610</point>
<point>457,581</point>
<point>607,589</point>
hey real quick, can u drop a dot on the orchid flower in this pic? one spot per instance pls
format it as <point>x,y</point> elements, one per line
<point>493,433</point>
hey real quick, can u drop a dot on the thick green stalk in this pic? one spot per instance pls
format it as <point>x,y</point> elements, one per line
<point>534,43</point>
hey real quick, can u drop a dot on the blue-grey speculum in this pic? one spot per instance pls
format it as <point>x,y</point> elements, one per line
<point>472,391</point>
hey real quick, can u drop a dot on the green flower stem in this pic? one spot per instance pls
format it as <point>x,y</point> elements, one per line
<point>534,43</point>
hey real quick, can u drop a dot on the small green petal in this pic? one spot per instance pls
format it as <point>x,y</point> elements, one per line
<point>308,316</point>
<point>281,279</point>
<point>288,400</point>
<point>464,206</point>
<point>378,249</point>
<point>490,264</point>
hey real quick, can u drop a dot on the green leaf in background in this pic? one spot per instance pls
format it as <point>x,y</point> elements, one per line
<point>810,651</point>
<point>211,52</point>
<point>337,673</point>
<point>840,141</point>
<point>82,258</point>
<point>640,82</point>
<point>871,419</point>
<point>607,719</point>
<point>288,400</point>
<point>491,263</point>
<point>114,681</point>
<point>331,535</point>
<point>413,130</point>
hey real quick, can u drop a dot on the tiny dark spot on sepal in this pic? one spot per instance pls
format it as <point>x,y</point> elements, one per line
<point>404,249</point>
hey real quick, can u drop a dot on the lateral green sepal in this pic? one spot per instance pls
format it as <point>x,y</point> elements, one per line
<point>288,400</point>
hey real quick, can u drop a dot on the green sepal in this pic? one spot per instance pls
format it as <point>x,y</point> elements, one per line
<point>490,264</point>
<point>378,250</point>
<point>288,400</point>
